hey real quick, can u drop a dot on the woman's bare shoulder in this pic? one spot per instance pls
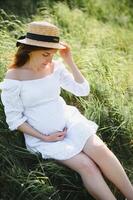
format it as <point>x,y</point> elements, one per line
<point>12,74</point>
<point>16,73</point>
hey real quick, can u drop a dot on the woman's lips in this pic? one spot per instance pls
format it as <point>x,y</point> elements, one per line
<point>45,63</point>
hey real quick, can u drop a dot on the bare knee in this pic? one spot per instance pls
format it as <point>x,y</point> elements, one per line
<point>82,164</point>
<point>96,148</point>
<point>95,145</point>
<point>88,167</point>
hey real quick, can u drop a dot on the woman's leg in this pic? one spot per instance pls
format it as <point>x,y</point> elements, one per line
<point>91,176</point>
<point>109,165</point>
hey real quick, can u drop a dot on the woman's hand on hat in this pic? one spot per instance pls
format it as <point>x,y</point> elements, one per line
<point>66,53</point>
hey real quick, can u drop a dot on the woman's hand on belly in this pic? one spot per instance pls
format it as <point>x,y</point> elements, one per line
<point>57,136</point>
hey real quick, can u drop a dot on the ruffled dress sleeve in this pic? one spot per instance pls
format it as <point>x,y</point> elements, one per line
<point>13,106</point>
<point>68,83</point>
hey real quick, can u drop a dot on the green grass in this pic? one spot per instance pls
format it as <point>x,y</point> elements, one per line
<point>101,39</point>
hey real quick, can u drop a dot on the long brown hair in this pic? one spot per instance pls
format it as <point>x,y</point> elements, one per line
<point>22,55</point>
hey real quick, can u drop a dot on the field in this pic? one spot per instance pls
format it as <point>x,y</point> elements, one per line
<point>100,34</point>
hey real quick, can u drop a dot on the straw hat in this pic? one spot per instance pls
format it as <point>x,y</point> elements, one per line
<point>42,34</point>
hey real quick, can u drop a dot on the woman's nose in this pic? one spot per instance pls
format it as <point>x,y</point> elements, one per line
<point>50,58</point>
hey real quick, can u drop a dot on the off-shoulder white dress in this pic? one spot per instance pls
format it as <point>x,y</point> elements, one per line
<point>39,103</point>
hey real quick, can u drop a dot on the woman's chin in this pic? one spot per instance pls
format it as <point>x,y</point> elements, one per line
<point>43,65</point>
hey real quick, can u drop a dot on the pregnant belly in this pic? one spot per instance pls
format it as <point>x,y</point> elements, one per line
<point>47,118</point>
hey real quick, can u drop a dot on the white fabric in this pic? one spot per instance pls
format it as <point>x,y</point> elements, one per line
<point>38,102</point>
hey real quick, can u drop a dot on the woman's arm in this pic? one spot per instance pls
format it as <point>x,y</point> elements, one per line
<point>26,128</point>
<point>68,58</point>
<point>73,82</point>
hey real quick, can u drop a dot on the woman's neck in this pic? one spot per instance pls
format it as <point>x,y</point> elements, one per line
<point>48,68</point>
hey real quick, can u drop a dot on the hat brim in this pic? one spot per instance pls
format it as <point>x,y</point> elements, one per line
<point>41,44</point>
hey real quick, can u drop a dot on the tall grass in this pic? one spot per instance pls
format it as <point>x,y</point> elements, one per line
<point>100,35</point>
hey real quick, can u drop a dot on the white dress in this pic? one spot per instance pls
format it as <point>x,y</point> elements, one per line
<point>38,102</point>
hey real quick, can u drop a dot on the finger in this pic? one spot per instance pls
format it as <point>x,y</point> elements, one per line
<point>60,138</point>
<point>60,135</point>
<point>65,132</point>
<point>64,48</point>
<point>65,44</point>
<point>65,128</point>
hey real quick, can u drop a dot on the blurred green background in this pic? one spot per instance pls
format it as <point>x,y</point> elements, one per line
<point>100,33</point>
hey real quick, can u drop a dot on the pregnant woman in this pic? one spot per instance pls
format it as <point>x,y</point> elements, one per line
<point>33,105</point>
